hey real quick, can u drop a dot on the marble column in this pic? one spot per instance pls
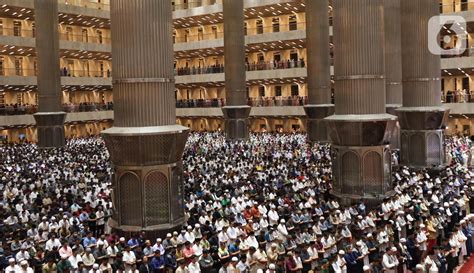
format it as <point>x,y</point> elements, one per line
<point>145,144</point>
<point>422,117</point>
<point>360,129</point>
<point>393,63</point>
<point>236,111</point>
<point>319,70</point>
<point>50,117</point>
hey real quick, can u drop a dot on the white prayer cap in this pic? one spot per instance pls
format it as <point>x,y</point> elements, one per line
<point>422,225</point>
<point>419,266</point>
<point>235,259</point>
<point>11,260</point>
<point>341,252</point>
<point>190,227</point>
<point>24,262</point>
<point>446,204</point>
<point>159,240</point>
<point>95,266</point>
<point>197,225</point>
<point>168,235</point>
<point>359,244</point>
<point>282,221</point>
<point>394,248</point>
<point>122,239</point>
<point>259,270</point>
<point>366,268</point>
<point>403,240</point>
<point>272,267</point>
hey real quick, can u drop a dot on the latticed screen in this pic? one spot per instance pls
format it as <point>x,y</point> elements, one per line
<point>130,200</point>
<point>156,199</point>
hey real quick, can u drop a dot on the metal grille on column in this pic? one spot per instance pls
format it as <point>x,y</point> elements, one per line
<point>145,139</point>
<point>319,73</point>
<point>360,124</point>
<point>236,111</point>
<point>422,113</point>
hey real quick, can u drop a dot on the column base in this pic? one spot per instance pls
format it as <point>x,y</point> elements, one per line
<point>422,136</point>
<point>147,187</point>
<point>361,173</point>
<point>236,122</point>
<point>422,148</point>
<point>50,129</point>
<point>316,126</point>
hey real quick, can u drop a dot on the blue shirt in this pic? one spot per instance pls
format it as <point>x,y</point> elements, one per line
<point>87,242</point>
<point>157,262</point>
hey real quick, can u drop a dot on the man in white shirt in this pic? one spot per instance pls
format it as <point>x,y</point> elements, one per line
<point>75,259</point>
<point>283,232</point>
<point>12,266</point>
<point>390,260</point>
<point>24,268</point>
<point>53,242</point>
<point>193,266</point>
<point>273,216</point>
<point>129,259</point>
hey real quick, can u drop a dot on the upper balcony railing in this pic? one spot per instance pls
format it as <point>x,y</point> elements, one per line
<point>282,64</point>
<point>458,97</point>
<point>85,73</point>
<point>195,3</point>
<point>249,32</point>
<point>255,66</point>
<point>18,72</point>
<point>92,4</point>
<point>17,32</point>
<point>64,73</point>
<point>277,101</point>
<point>254,102</point>
<point>94,39</point>
<point>29,109</point>
<point>456,6</point>
<point>63,36</point>
<point>200,103</point>
<point>193,70</point>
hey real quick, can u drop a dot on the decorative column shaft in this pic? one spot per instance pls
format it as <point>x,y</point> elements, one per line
<point>236,111</point>
<point>360,130</point>
<point>422,117</point>
<point>50,117</point>
<point>393,63</point>
<point>145,143</point>
<point>319,70</point>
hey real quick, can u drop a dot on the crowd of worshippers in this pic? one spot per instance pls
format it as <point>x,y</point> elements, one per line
<point>263,205</point>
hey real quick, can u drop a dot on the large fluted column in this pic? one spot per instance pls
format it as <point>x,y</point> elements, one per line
<point>422,117</point>
<point>50,117</point>
<point>236,111</point>
<point>319,70</point>
<point>145,144</point>
<point>361,129</point>
<point>393,63</point>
